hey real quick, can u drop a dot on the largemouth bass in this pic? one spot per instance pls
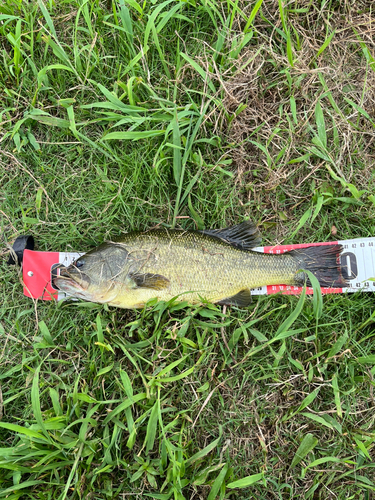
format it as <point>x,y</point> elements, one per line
<point>217,266</point>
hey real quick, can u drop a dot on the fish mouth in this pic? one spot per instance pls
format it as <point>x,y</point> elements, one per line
<point>72,281</point>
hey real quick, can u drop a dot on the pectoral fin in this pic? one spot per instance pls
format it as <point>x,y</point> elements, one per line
<point>241,299</point>
<point>148,280</point>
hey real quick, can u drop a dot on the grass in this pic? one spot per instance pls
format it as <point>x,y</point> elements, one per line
<point>123,115</point>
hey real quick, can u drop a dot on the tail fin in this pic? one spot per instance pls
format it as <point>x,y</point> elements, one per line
<point>324,262</point>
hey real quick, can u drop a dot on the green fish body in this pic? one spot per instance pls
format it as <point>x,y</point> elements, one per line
<point>215,266</point>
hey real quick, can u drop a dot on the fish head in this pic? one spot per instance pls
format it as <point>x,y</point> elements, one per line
<point>97,276</point>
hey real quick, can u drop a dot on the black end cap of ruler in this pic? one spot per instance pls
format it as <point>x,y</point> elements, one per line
<point>24,242</point>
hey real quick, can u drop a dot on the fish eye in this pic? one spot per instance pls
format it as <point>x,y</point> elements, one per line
<point>78,263</point>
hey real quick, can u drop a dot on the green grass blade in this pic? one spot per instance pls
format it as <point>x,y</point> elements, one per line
<point>285,326</point>
<point>327,41</point>
<point>23,430</point>
<point>205,76</point>
<point>132,136</point>
<point>48,18</point>
<point>247,481</point>
<point>35,402</point>
<point>320,123</point>
<point>308,444</point>
<point>336,392</point>
<point>253,13</point>
<point>151,428</point>
<point>124,405</point>
<point>202,453</point>
<point>152,19</point>
<point>176,150</point>
<point>219,481</point>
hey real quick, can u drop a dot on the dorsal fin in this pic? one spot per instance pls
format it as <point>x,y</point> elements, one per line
<point>244,236</point>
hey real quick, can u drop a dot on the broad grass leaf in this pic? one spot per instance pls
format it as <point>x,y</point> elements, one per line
<point>289,46</point>
<point>7,19</point>
<point>159,496</point>
<point>171,366</point>
<point>323,460</point>
<point>331,423</point>
<point>132,136</point>
<point>152,18</point>
<point>35,402</point>
<point>336,392</point>
<point>54,395</point>
<point>180,376</point>
<point>26,484</point>
<point>246,481</point>
<point>300,159</point>
<point>42,73</point>
<point>115,100</point>
<point>202,453</point>
<point>197,218</point>
<point>134,4</point>
<point>47,17</point>
<point>35,145</point>
<point>367,360</point>
<point>200,71</point>
<point>99,329</point>
<point>72,120</point>
<point>362,447</point>
<point>176,150</point>
<point>305,217</point>
<point>53,121</point>
<point>320,123</point>
<point>293,109</point>
<point>319,203</point>
<point>364,480</point>
<point>126,382</point>
<point>285,326</point>
<point>23,430</point>
<point>326,43</point>
<point>353,190</point>
<point>125,404</point>
<point>366,52</point>
<point>317,295</point>
<point>319,462</point>
<point>340,342</point>
<point>190,187</point>
<point>217,483</point>
<point>253,13</point>
<point>132,111</point>
<point>308,400</point>
<point>358,108</point>
<point>308,443</point>
<point>320,154</point>
<point>151,427</point>
<point>264,150</point>
<point>104,370</point>
<point>81,396</point>
<point>59,52</point>
<point>45,332</point>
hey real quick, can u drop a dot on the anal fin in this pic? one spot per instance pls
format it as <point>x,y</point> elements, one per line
<point>241,299</point>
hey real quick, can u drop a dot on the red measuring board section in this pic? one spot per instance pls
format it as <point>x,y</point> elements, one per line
<point>294,290</point>
<point>36,270</point>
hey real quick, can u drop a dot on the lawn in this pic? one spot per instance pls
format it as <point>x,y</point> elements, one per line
<point>125,114</point>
